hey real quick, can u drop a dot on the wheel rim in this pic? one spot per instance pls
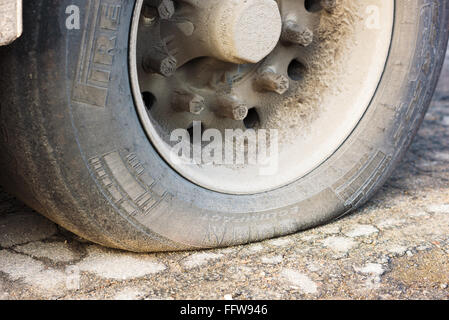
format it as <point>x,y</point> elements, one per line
<point>308,92</point>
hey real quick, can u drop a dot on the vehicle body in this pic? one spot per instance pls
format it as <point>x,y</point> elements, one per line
<point>10,21</point>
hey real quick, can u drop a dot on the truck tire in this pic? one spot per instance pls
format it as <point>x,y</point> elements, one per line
<point>78,149</point>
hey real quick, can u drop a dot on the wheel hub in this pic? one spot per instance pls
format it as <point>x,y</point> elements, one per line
<point>240,31</point>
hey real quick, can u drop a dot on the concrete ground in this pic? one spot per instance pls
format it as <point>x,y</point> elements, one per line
<point>395,247</point>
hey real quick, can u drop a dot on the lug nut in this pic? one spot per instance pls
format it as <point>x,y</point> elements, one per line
<point>186,101</point>
<point>269,80</point>
<point>165,8</point>
<point>231,107</point>
<point>328,5</point>
<point>159,61</point>
<point>149,15</point>
<point>296,34</point>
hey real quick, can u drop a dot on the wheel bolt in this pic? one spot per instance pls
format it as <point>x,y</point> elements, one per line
<point>269,80</point>
<point>296,34</point>
<point>158,61</point>
<point>165,8</point>
<point>230,107</point>
<point>328,5</point>
<point>186,101</point>
<point>149,15</point>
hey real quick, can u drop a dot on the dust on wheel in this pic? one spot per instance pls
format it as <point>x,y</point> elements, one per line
<point>172,125</point>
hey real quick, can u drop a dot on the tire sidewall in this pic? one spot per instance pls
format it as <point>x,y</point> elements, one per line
<point>139,186</point>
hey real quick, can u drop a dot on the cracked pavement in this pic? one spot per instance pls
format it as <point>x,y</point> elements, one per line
<point>395,247</point>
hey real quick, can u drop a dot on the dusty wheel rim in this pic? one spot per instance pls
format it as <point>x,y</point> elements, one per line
<point>331,83</point>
